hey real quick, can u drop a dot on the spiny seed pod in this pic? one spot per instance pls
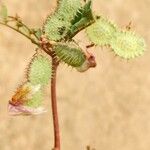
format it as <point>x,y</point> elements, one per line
<point>101,32</point>
<point>83,18</point>
<point>55,28</point>
<point>40,70</point>
<point>58,24</point>
<point>27,100</point>
<point>36,100</point>
<point>70,53</point>
<point>67,9</point>
<point>128,45</point>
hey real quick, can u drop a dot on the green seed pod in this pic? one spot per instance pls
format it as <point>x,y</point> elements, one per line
<point>101,32</point>
<point>40,70</point>
<point>58,24</point>
<point>70,53</point>
<point>36,101</point>
<point>83,18</point>
<point>55,28</point>
<point>128,45</point>
<point>67,9</point>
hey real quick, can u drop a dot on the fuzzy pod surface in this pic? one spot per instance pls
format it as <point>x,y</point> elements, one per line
<point>58,24</point>
<point>70,53</point>
<point>40,70</point>
<point>67,9</point>
<point>55,28</point>
<point>101,32</point>
<point>36,100</point>
<point>83,18</point>
<point>128,45</point>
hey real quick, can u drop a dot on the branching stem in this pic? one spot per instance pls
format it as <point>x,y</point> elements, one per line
<point>46,47</point>
<point>29,37</point>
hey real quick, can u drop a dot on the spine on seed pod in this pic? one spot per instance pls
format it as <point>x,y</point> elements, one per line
<point>28,98</point>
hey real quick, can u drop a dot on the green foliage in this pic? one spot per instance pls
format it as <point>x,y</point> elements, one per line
<point>40,70</point>
<point>3,13</point>
<point>70,53</point>
<point>128,45</point>
<point>101,32</point>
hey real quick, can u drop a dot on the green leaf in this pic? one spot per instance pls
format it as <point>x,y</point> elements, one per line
<point>3,13</point>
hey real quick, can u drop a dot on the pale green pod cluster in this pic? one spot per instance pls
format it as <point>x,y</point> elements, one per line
<point>58,24</point>
<point>125,44</point>
<point>70,53</point>
<point>40,70</point>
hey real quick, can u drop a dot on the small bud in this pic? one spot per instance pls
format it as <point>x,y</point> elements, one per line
<point>89,63</point>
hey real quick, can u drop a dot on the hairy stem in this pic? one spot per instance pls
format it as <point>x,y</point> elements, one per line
<point>54,106</point>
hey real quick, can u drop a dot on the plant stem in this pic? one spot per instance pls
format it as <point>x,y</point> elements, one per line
<point>54,106</point>
<point>55,64</point>
<point>32,40</point>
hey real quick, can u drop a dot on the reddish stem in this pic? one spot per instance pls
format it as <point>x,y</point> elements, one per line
<point>54,106</point>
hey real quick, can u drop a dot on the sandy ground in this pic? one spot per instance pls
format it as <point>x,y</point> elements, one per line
<point>107,107</point>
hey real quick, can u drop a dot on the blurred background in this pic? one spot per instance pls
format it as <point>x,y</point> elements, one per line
<point>107,107</point>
